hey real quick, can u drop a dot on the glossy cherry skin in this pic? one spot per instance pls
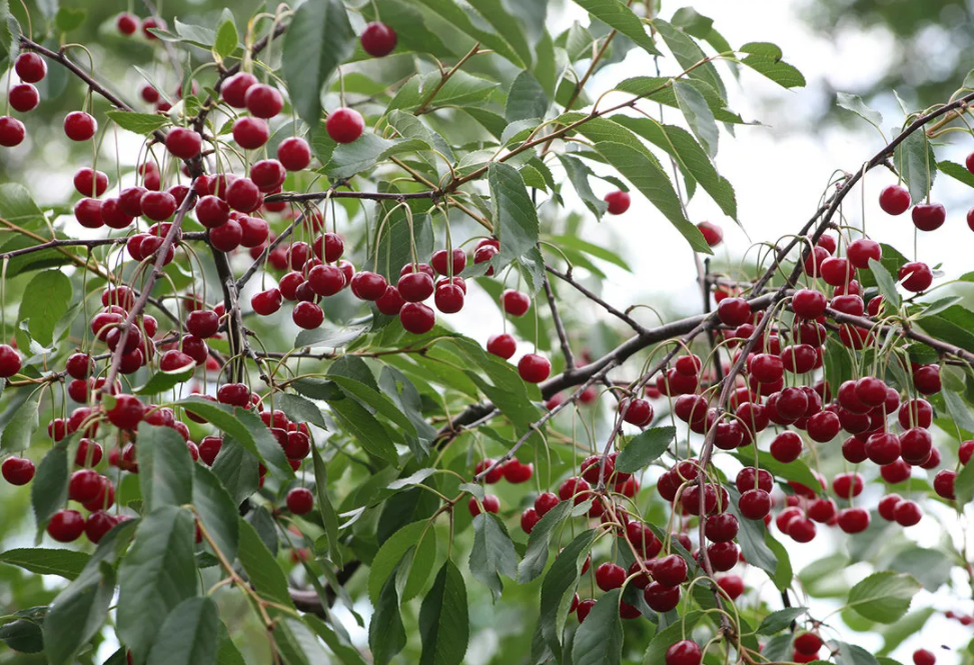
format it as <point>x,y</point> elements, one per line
<point>894,200</point>
<point>503,345</point>
<point>30,67</point>
<point>234,89</point>
<point>417,318</point>
<point>916,276</point>
<point>534,368</point>
<point>24,97</point>
<point>712,233</point>
<point>12,131</point>
<point>79,126</point>
<point>66,526</point>
<point>307,315</point>
<point>618,202</point>
<point>378,39</point>
<point>250,133</point>
<point>684,652</point>
<point>17,470</point>
<point>294,153</point>
<point>929,216</point>
<point>344,125</point>
<point>183,143</point>
<point>9,361</point>
<point>300,501</point>
<point>263,101</point>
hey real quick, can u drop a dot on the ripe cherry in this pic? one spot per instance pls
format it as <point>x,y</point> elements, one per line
<point>517,472</point>
<point>894,200</point>
<point>529,518</point>
<point>24,97</point>
<point>854,520</point>
<point>415,286</point>
<point>12,131</point>
<point>924,657</point>
<point>268,174</point>
<point>929,216</point>
<point>449,298</point>
<point>9,361</point>
<point>684,652</point>
<point>267,302</point>
<point>916,276</point>
<point>926,379</point>
<point>670,570</point>
<point>66,526</point>
<point>809,304</point>
<point>243,195</point>
<point>660,597</point>
<point>618,202</point>
<point>84,485</point>
<point>515,303</point>
<point>417,318</point>
<point>786,447</point>
<point>533,368</point>
<point>294,153</point>
<point>127,412</point>
<point>638,412</point>
<point>234,89</point>
<point>907,513</point>
<point>808,643</point>
<point>712,233</point>
<point>490,503</point>
<point>250,133</point>
<point>79,126</point>
<point>307,315</point>
<point>263,101</point>
<point>183,143</point>
<point>17,470</point>
<point>733,311</point>
<point>234,394</point>
<point>30,67</point>
<point>300,501</point>
<point>440,258</point>
<point>226,238</point>
<point>158,206</point>
<point>378,39</point>
<point>610,576</point>
<point>368,285</point>
<point>503,345</point>
<point>344,125</point>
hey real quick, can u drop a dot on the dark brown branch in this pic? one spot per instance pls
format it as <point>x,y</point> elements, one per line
<point>372,196</point>
<point>566,349</point>
<point>567,277</point>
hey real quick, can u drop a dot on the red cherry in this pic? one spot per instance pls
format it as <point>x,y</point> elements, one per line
<point>267,302</point>
<point>234,89</point>
<point>860,251</point>
<point>244,195</point>
<point>823,426</point>
<point>98,524</point>
<point>533,368</point>
<point>152,22</point>
<point>344,125</point>
<point>610,576</point>
<point>894,200</point>
<point>887,506</point>
<point>294,154</point>
<point>503,346</point>
<point>515,303</point>
<point>660,597</point>
<point>12,131</point>
<point>733,311</point>
<point>618,202</point>
<point>79,126</point>
<point>234,394</point>
<point>17,470</point>
<point>368,285</point>
<point>923,657</point>
<point>378,39</point>
<point>490,503</point>
<point>926,379</point>
<point>813,262</point>
<point>268,174</point>
<point>66,526</point>
<point>226,238</point>
<point>158,206</point>
<point>529,518</point>
<point>929,216</point>
<point>183,143</point>
<point>307,315</point>
<point>84,485</point>
<point>808,304</point>
<point>576,488</point>
<point>300,501</point>
<point>415,286</point>
<point>417,318</point>
<point>263,101</point>
<point>712,233</point>
<point>30,67</point>
<point>127,412</point>
<point>915,413</point>
<point>24,97</point>
<point>808,643</point>
<point>9,361</point>
<point>440,258</point>
<point>916,276</point>
<point>517,472</point>
<point>684,652</point>
<point>638,412</point>
<point>854,520</point>
<point>907,513</point>
<point>250,133</point>
<point>670,570</point>
<point>786,447</point>
<point>801,530</point>
<point>449,298</point>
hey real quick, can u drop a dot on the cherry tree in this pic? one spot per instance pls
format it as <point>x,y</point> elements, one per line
<point>237,401</point>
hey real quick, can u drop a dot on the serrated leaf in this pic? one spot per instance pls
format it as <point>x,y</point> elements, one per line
<point>689,54</point>
<point>161,382</point>
<point>452,13</point>
<point>443,623</point>
<point>698,115</point>
<point>493,553</point>
<point>883,597</point>
<point>188,636</point>
<point>578,174</point>
<point>226,39</point>
<point>536,554</point>
<point>917,164</point>
<point>959,411</point>
<point>362,154</point>
<point>558,587</point>
<point>264,573</point>
<point>217,511</point>
<point>49,488</point>
<point>165,467</point>
<point>620,17</point>
<point>20,420</point>
<point>387,636</point>
<point>778,621</point>
<point>855,104</point>
<point>526,99</point>
<point>957,172</point>
<point>373,398</point>
<point>929,567</point>
<point>598,640</point>
<point>417,535</point>
<point>515,218</point>
<point>140,123</point>
<point>887,285</point>
<point>300,410</point>
<point>45,300</point>
<point>64,563</point>
<point>644,448</point>
<point>319,38</point>
<point>328,515</point>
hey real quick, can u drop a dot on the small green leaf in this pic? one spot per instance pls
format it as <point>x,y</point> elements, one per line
<point>664,639</point>
<point>536,554</point>
<point>778,621</point>
<point>619,16</point>
<point>852,654</point>
<point>217,511</point>
<point>362,154</point>
<point>165,467</point>
<point>957,172</point>
<point>140,123</point>
<point>65,563</point>
<point>598,640</point>
<point>887,285</point>
<point>964,485</point>
<point>417,535</point>
<point>45,300</point>
<point>188,636</point>
<point>387,636</point>
<point>493,553</point>
<point>917,164</point>
<point>526,99</point>
<point>515,218</point>
<point>319,38</point>
<point>558,587</point>
<point>443,623</point>
<point>226,39</point>
<point>299,410</point>
<point>644,448</point>
<point>49,489</point>
<point>329,516</point>
<point>931,568</point>
<point>161,382</point>
<point>264,573</point>
<point>20,420</point>
<point>855,104</point>
<point>958,409</point>
<point>698,115</point>
<point>883,597</point>
<point>68,18</point>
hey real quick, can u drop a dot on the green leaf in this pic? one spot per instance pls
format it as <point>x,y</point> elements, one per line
<point>536,554</point>
<point>883,597</point>
<point>752,538</point>
<point>237,470</point>
<point>778,621</point>
<point>188,636</point>
<point>515,218</point>
<point>217,511</point>
<point>140,123</point>
<point>161,382</point>
<point>329,337</point>
<point>493,553</point>
<point>341,647</point>
<point>896,633</point>
<point>618,16</point>
<point>578,173</point>
<point>593,250</point>
<point>917,164</point>
<point>297,644</point>
<point>664,639</point>
<point>773,67</point>
<point>451,12</point>
<point>65,563</point>
<point>299,409</point>
<point>937,306</point>
<point>598,640</point>
<point>698,115</point>
<point>506,25</point>
<point>165,467</point>
<point>887,285</point>
<point>418,536</point>
<point>689,54</point>
<point>645,447</point>
<point>963,485</point>
<point>855,104</point>
<point>226,38</point>
<point>158,573</point>
<point>387,636</point>
<point>373,398</point>
<point>17,206</point>
<point>369,432</point>
<point>45,300</point>
<point>68,19</point>
<point>79,611</point>
<point>411,30</point>
<point>958,409</point>
<point>23,635</point>
<point>20,420</point>
<point>957,172</point>
<point>558,588</point>
<point>851,654</point>
<point>264,573</point>
<point>329,517</point>
<point>954,325</point>
<point>318,39</point>
<point>244,426</point>
<point>49,489</point>
<point>931,568</point>
<point>443,623</point>
<point>649,178</point>
<point>362,154</point>
<point>526,99</point>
